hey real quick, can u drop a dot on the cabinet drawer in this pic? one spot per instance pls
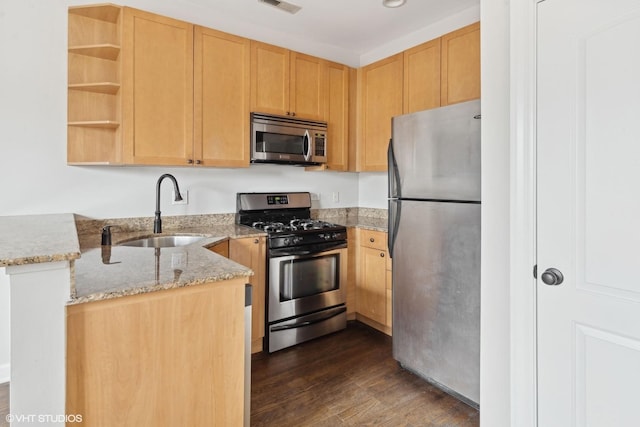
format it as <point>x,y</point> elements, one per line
<point>373,239</point>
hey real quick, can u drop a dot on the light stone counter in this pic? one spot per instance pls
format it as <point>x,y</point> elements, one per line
<point>367,218</point>
<point>105,272</point>
<point>34,239</point>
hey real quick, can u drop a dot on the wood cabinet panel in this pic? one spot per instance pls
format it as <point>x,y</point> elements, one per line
<point>373,280</point>
<point>251,252</point>
<point>372,287</point>
<point>373,239</point>
<point>152,359</point>
<point>171,94</point>
<point>352,268</point>
<point>221,248</point>
<point>307,87</point>
<point>158,89</point>
<point>222,98</point>
<point>269,78</point>
<point>337,115</point>
<point>382,88</point>
<point>461,65</point>
<point>422,77</point>
<point>288,83</point>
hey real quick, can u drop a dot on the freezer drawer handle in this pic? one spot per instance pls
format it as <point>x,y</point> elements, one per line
<point>332,313</point>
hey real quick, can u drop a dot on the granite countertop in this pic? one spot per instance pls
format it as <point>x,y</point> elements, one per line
<point>369,223</point>
<point>100,273</point>
<point>105,272</point>
<point>33,239</point>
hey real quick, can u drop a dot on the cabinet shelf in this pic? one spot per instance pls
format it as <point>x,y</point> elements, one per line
<point>105,12</point>
<point>105,124</point>
<point>103,51</point>
<point>108,88</point>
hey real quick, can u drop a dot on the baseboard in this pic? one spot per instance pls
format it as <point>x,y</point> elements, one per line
<point>5,373</point>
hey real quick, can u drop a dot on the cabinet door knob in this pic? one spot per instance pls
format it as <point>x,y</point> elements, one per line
<point>381,254</point>
<point>190,161</point>
<point>293,114</point>
<point>288,113</point>
<point>198,162</point>
<point>256,241</point>
<point>371,239</point>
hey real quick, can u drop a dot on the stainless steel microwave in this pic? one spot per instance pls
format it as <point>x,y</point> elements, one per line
<point>288,140</point>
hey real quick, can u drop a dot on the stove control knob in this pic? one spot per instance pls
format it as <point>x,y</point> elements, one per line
<point>297,240</point>
<point>327,236</point>
<point>285,241</point>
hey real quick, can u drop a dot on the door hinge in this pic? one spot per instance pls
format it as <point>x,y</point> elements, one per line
<point>535,271</point>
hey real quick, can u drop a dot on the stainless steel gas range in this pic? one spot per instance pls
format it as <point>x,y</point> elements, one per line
<point>306,267</point>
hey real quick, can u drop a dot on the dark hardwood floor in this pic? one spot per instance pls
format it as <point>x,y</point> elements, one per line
<point>347,379</point>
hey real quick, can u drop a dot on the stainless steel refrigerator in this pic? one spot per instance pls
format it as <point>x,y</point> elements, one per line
<point>434,242</point>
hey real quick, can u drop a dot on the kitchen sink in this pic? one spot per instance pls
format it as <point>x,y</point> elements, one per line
<point>168,241</point>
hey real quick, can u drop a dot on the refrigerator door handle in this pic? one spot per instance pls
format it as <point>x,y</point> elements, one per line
<point>395,209</point>
<point>393,172</point>
<point>394,195</point>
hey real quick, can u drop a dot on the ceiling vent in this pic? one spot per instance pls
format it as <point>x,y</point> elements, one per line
<point>282,5</point>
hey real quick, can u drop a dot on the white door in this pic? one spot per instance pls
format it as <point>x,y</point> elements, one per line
<point>588,138</point>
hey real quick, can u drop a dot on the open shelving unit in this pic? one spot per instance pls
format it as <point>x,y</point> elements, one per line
<point>94,77</point>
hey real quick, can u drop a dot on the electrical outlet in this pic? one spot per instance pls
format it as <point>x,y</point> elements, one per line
<point>185,197</point>
<point>336,197</point>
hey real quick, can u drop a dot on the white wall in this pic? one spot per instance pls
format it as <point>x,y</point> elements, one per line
<point>373,190</point>
<point>495,380</point>
<point>460,19</point>
<point>33,138</point>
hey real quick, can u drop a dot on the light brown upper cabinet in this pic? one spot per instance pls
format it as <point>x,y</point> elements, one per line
<point>338,85</point>
<point>221,104</point>
<point>286,83</point>
<point>443,71</point>
<point>157,85</point>
<point>94,95</point>
<point>150,90</point>
<point>422,77</point>
<point>461,65</point>
<point>381,99</point>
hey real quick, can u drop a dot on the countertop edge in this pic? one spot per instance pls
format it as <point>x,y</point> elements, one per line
<point>37,239</point>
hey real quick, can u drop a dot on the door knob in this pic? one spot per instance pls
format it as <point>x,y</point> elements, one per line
<point>552,277</point>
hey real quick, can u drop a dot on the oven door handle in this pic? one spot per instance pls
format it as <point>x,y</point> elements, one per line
<point>291,253</point>
<point>333,313</point>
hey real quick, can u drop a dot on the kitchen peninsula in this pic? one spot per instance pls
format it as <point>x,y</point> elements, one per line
<point>122,323</point>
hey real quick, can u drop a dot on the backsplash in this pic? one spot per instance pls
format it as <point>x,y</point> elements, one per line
<point>90,226</point>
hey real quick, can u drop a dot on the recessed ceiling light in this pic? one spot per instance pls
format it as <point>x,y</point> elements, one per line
<point>393,3</point>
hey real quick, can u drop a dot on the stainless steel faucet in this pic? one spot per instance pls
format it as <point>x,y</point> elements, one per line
<point>157,222</point>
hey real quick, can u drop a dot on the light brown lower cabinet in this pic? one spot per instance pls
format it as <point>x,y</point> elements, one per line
<point>167,358</point>
<point>373,280</point>
<point>251,252</point>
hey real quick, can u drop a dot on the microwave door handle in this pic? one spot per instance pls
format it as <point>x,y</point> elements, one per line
<point>306,149</point>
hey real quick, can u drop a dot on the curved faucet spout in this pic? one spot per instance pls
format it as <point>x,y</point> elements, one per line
<point>157,222</point>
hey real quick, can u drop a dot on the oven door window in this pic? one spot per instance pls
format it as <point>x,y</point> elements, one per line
<point>304,277</point>
<point>267,142</point>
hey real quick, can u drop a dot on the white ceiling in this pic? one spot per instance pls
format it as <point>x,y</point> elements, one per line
<point>356,26</point>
